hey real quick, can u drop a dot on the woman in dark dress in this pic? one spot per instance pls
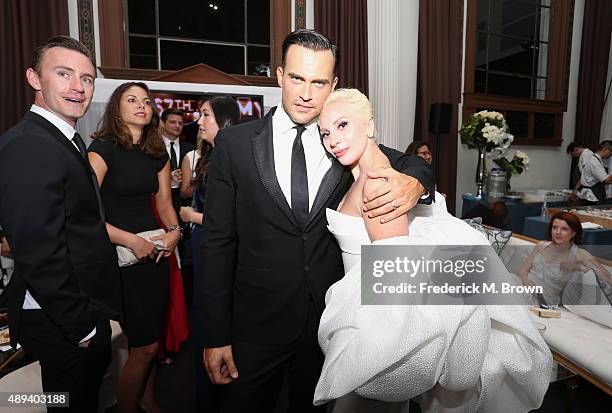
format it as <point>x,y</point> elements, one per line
<point>131,164</point>
<point>217,113</point>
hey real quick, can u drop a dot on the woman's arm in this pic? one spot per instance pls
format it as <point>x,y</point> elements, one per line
<point>186,182</point>
<point>139,246</point>
<point>165,209</point>
<point>376,229</point>
<point>188,214</point>
<point>589,262</point>
<point>524,271</point>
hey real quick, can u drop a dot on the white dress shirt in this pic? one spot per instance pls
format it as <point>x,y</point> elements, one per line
<point>177,152</point>
<point>584,159</point>
<point>592,172</point>
<point>317,160</point>
<point>29,303</point>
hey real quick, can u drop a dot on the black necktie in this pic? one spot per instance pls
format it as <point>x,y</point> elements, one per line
<point>80,144</point>
<point>173,160</point>
<point>299,179</point>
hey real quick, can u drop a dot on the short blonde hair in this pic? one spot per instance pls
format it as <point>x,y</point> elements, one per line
<point>360,103</point>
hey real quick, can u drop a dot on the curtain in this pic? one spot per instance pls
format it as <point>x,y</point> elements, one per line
<point>439,81</point>
<point>25,25</point>
<point>393,32</point>
<point>594,55</point>
<point>345,23</point>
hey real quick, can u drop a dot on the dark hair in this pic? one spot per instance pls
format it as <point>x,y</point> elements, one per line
<point>571,220</point>
<point>225,110</point>
<point>226,114</point>
<point>111,125</point>
<point>171,111</point>
<point>604,145</point>
<point>311,40</point>
<point>58,41</point>
<point>573,146</point>
<point>414,147</point>
<point>500,213</point>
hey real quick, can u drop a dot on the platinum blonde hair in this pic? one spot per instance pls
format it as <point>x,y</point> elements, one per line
<point>360,105</point>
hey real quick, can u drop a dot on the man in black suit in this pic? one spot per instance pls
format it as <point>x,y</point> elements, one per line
<point>65,287</point>
<point>172,127</point>
<point>267,256</point>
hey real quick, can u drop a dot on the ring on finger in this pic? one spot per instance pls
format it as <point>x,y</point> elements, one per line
<point>393,204</point>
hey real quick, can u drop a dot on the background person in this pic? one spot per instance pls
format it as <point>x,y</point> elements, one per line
<point>591,188</point>
<point>217,113</point>
<point>495,215</point>
<point>130,162</point>
<point>66,281</point>
<point>552,263</point>
<point>422,149</point>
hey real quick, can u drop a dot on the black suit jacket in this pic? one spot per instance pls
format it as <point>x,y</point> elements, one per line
<point>177,201</point>
<point>259,268</point>
<point>185,148</point>
<point>50,216</point>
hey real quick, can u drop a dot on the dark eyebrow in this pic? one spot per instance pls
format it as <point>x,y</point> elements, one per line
<point>291,74</point>
<point>64,67</point>
<point>295,75</point>
<point>134,96</point>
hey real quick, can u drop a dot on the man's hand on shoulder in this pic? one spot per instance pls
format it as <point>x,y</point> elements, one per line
<point>395,197</point>
<point>219,363</point>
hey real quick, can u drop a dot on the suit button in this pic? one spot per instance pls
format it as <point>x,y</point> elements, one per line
<point>306,268</point>
<point>305,237</point>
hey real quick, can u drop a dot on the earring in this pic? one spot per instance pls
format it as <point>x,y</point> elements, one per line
<point>370,136</point>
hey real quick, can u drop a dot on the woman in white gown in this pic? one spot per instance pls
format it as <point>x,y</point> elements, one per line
<point>377,357</point>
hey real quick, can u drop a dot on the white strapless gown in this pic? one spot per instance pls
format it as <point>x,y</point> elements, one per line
<point>455,358</point>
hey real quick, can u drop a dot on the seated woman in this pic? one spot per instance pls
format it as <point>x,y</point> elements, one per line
<point>552,263</point>
<point>422,149</point>
<point>377,357</point>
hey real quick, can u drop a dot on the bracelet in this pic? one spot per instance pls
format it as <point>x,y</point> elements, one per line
<point>176,227</point>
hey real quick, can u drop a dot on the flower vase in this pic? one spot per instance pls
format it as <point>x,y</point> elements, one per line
<point>508,187</point>
<point>481,172</point>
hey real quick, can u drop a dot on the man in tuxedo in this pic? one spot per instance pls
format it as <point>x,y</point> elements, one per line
<point>65,287</point>
<point>172,127</point>
<point>267,256</point>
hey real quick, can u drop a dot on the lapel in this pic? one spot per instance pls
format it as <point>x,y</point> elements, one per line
<point>59,137</point>
<point>263,153</point>
<point>184,149</point>
<point>328,184</point>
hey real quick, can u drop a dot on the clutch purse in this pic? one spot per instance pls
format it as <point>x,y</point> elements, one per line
<point>125,256</point>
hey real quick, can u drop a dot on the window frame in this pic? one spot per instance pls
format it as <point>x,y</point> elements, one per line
<point>555,102</point>
<point>114,39</point>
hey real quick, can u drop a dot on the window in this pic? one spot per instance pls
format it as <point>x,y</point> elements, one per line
<point>230,35</point>
<point>517,62</point>
<point>512,48</point>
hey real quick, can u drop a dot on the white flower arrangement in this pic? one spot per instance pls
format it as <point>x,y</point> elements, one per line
<point>486,130</point>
